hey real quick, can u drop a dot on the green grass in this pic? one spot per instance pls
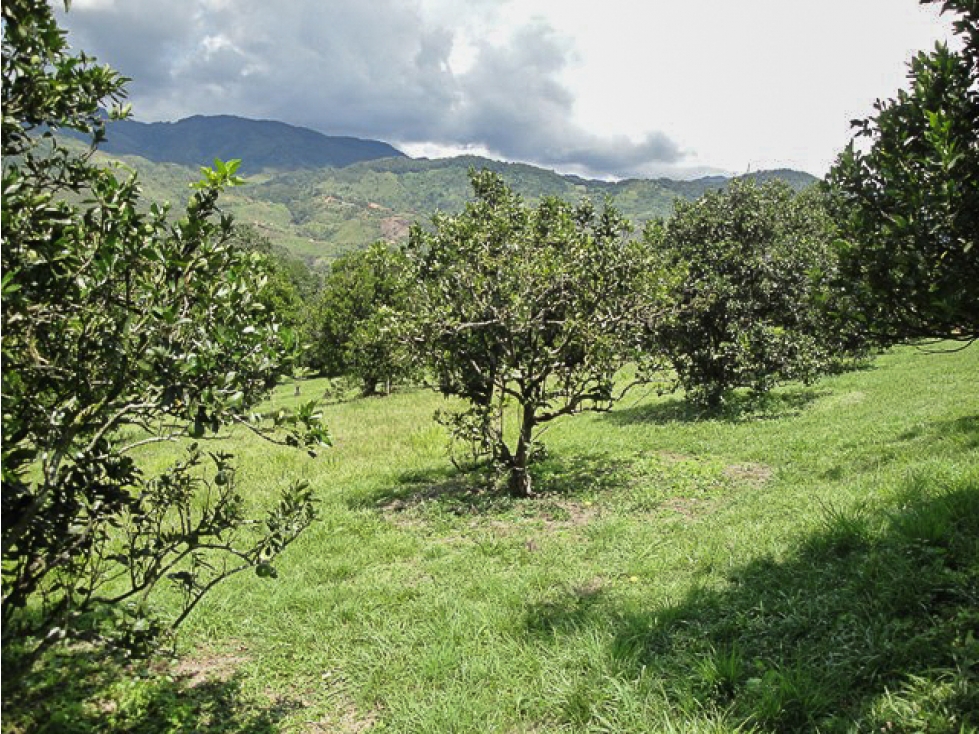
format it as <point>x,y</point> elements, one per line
<point>810,563</point>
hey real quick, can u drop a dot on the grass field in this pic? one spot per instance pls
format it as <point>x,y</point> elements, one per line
<point>807,564</point>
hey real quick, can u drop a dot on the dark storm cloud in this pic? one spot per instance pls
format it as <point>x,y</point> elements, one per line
<point>373,69</point>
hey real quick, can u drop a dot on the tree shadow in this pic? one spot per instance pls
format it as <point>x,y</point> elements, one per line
<point>962,432</point>
<point>84,691</point>
<point>964,429</point>
<point>479,492</point>
<point>740,406</point>
<point>869,625</point>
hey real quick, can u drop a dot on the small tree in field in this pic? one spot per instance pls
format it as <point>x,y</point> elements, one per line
<point>120,328</point>
<point>752,296</point>
<point>538,307</point>
<point>352,325</point>
<point>907,199</point>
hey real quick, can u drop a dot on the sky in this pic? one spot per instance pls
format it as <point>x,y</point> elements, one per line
<point>610,89</point>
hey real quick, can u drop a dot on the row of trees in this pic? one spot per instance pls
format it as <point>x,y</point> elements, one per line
<point>532,312</point>
<point>541,307</point>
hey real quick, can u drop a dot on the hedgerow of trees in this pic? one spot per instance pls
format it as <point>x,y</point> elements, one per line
<point>120,327</point>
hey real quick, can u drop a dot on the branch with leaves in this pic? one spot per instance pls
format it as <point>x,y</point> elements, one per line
<point>121,327</point>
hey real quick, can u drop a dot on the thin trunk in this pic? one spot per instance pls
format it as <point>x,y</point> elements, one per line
<point>519,481</point>
<point>369,387</point>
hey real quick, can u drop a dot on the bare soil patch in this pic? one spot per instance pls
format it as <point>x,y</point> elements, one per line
<point>206,666</point>
<point>753,474</point>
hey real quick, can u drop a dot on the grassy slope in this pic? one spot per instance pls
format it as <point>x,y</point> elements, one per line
<point>810,564</point>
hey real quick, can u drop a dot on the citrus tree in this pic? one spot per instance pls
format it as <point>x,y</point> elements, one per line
<point>907,199</point>
<point>753,294</point>
<point>353,332</point>
<point>538,307</point>
<point>121,326</point>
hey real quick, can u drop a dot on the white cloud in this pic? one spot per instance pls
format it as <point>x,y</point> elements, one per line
<point>621,88</point>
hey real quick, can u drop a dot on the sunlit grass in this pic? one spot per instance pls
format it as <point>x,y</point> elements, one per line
<point>809,563</point>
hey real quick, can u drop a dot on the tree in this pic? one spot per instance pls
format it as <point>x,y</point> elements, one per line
<point>352,331</point>
<point>291,288</point>
<point>751,300</point>
<point>535,306</point>
<point>120,328</point>
<point>907,199</point>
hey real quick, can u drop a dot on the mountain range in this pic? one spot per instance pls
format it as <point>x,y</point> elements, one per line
<point>320,195</point>
<point>260,144</point>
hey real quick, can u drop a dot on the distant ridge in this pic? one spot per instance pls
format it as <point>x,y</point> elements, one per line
<point>260,144</point>
<point>320,196</point>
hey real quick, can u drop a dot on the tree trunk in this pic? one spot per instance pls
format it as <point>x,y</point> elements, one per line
<point>519,481</point>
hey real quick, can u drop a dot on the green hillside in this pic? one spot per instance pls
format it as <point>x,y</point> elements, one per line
<point>320,213</point>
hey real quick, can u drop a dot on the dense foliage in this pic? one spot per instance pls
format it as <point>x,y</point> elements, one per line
<point>907,191</point>
<point>534,306</point>
<point>120,327</point>
<point>752,300</point>
<point>352,328</point>
<point>291,286</point>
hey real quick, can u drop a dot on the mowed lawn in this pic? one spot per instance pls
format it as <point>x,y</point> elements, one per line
<point>810,563</point>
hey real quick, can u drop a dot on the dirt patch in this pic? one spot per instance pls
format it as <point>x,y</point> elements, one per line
<point>208,666</point>
<point>672,457</point>
<point>688,507</point>
<point>347,722</point>
<point>346,719</point>
<point>568,514</point>
<point>394,228</point>
<point>589,588</point>
<point>753,474</point>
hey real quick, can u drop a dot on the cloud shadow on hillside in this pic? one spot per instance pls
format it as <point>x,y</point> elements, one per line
<point>871,612</point>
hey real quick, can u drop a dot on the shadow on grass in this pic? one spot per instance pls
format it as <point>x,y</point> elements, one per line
<point>964,429</point>
<point>479,492</point>
<point>740,407</point>
<point>89,691</point>
<point>934,437</point>
<point>872,619</point>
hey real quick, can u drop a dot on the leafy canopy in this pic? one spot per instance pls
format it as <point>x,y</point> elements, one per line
<point>751,298</point>
<point>120,327</point>
<point>907,198</point>
<point>353,332</point>
<point>538,307</point>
